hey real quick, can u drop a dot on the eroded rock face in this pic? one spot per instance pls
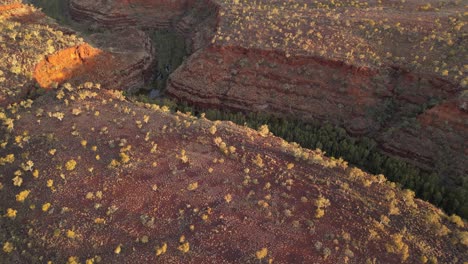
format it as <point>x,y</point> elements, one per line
<point>365,101</point>
<point>133,54</point>
<point>195,19</point>
<point>121,64</point>
<point>65,64</point>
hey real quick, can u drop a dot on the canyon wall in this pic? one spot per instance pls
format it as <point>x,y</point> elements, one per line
<point>419,118</point>
<point>123,60</point>
<point>195,19</point>
<point>417,115</point>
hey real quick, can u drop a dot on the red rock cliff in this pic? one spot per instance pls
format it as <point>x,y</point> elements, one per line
<point>310,88</point>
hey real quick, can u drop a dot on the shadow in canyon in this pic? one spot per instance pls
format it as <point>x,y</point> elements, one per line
<point>172,42</point>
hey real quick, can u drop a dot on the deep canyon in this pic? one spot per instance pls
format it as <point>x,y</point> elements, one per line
<point>412,113</point>
<point>195,131</point>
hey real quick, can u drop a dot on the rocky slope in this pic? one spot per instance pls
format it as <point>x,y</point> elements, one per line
<point>87,176</point>
<point>341,66</point>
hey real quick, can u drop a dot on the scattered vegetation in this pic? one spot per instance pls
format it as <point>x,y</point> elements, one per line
<point>33,42</point>
<point>321,203</point>
<point>68,212</point>
<point>70,165</point>
<point>366,33</point>
<point>397,246</point>
<point>335,142</point>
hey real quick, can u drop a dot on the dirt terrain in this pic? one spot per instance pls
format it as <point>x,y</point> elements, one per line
<point>87,176</point>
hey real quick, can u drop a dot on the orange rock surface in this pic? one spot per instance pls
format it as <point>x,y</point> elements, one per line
<point>69,63</point>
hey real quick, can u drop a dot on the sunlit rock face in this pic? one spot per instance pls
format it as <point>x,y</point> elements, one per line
<point>122,62</point>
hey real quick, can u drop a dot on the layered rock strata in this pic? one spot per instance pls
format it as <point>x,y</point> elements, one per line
<point>387,105</point>
<point>366,67</point>
<point>122,63</point>
<point>195,19</point>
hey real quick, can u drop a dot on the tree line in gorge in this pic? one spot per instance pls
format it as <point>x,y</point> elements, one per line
<point>362,152</point>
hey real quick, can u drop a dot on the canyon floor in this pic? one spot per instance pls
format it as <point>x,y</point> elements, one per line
<point>89,176</point>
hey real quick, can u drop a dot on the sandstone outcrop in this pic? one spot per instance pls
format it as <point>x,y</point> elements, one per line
<point>24,41</point>
<point>366,68</point>
<point>123,61</point>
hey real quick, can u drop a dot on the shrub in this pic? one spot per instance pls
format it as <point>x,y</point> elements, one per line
<point>326,252</point>
<point>463,238</point>
<point>457,220</point>
<point>161,250</point>
<point>8,247</point>
<point>408,197</point>
<point>71,234</point>
<point>258,161</point>
<point>20,197</point>
<point>70,165</point>
<point>11,213</point>
<point>397,246</point>
<point>184,247</point>
<point>45,207</point>
<point>263,130</point>
<point>262,253</point>
<point>73,260</point>
<point>192,186</point>
<point>321,203</point>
